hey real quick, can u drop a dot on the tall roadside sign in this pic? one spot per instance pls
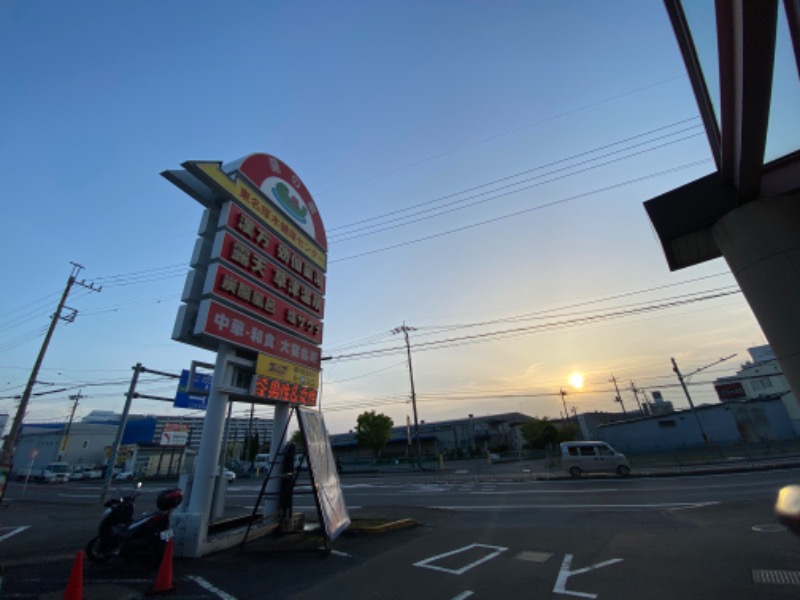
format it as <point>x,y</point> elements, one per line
<point>254,294</point>
<point>258,272</point>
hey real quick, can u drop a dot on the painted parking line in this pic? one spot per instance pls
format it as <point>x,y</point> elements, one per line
<point>12,531</point>
<point>428,562</point>
<point>565,573</point>
<point>222,595</point>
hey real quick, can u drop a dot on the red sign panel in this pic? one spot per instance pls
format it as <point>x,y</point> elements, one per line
<point>250,259</point>
<point>282,186</point>
<point>262,236</point>
<point>224,283</point>
<point>730,391</point>
<point>281,391</point>
<point>229,325</point>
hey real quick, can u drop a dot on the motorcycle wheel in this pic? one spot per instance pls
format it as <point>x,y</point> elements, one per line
<point>93,552</point>
<point>156,553</point>
<point>147,551</point>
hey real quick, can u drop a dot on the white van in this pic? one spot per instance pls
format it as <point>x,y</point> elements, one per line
<point>56,472</point>
<point>261,463</point>
<point>592,457</point>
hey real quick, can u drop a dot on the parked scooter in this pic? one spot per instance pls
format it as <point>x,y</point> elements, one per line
<point>142,539</point>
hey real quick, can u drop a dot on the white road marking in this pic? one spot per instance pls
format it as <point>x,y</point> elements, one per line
<point>463,595</point>
<point>564,574</point>
<point>425,564</point>
<point>210,588</point>
<point>77,495</point>
<point>769,528</point>
<point>777,577</point>
<point>13,532</point>
<point>600,507</point>
<point>340,553</point>
<point>533,492</point>
<point>694,505</point>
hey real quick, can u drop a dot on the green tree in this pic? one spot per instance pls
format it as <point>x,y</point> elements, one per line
<point>297,438</point>
<point>540,433</point>
<point>569,433</point>
<point>253,447</point>
<point>373,430</point>
<point>244,452</point>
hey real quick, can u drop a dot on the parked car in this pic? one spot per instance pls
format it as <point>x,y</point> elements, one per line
<point>229,475</point>
<point>92,472</point>
<point>593,457</point>
<point>55,472</point>
<point>123,476</point>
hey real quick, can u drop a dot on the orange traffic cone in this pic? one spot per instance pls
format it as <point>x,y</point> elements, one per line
<point>74,589</point>
<point>163,582</point>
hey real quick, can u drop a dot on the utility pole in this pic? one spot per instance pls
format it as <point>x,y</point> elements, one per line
<point>65,439</point>
<point>645,405</point>
<point>123,420</point>
<point>689,398</point>
<point>405,329</point>
<point>562,393</point>
<point>7,455</point>
<point>618,398</point>
<point>636,397</point>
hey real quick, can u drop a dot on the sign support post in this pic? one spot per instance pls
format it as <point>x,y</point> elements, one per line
<point>206,463</point>
<point>280,422</point>
<point>255,295</point>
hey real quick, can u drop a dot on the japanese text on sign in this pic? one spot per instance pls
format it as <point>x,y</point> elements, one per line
<point>229,285</point>
<point>244,256</point>
<point>281,391</point>
<point>233,217</point>
<point>227,324</point>
<point>247,195</point>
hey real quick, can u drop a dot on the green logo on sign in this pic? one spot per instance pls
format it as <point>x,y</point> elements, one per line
<point>289,202</point>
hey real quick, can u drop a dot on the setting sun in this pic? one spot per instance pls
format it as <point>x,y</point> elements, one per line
<point>576,380</point>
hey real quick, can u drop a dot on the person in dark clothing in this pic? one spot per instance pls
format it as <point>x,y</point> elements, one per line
<point>287,480</point>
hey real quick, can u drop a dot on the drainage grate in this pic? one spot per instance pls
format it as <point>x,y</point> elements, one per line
<point>780,577</point>
<point>537,557</point>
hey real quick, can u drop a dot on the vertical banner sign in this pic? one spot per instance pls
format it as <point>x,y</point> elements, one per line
<point>260,263</point>
<point>324,475</point>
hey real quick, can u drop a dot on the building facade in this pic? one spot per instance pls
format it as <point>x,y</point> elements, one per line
<point>760,378</point>
<point>151,445</point>
<point>458,438</point>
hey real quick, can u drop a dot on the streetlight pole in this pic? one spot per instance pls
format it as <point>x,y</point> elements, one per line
<point>405,329</point>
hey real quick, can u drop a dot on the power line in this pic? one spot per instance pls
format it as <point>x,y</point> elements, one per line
<point>459,204</point>
<point>550,326</point>
<point>618,296</point>
<point>507,132</point>
<point>522,211</point>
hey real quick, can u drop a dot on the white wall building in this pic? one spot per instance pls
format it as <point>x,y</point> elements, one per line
<point>760,377</point>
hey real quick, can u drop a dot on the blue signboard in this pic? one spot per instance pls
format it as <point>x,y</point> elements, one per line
<point>202,381</point>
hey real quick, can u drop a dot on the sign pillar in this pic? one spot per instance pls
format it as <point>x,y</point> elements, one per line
<point>256,291</point>
<point>205,470</point>
<point>280,424</point>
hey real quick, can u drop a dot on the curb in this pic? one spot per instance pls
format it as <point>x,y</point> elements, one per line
<point>378,528</point>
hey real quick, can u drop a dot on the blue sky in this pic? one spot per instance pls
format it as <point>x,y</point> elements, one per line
<point>498,129</point>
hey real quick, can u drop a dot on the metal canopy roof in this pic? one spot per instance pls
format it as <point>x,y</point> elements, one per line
<point>746,44</point>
